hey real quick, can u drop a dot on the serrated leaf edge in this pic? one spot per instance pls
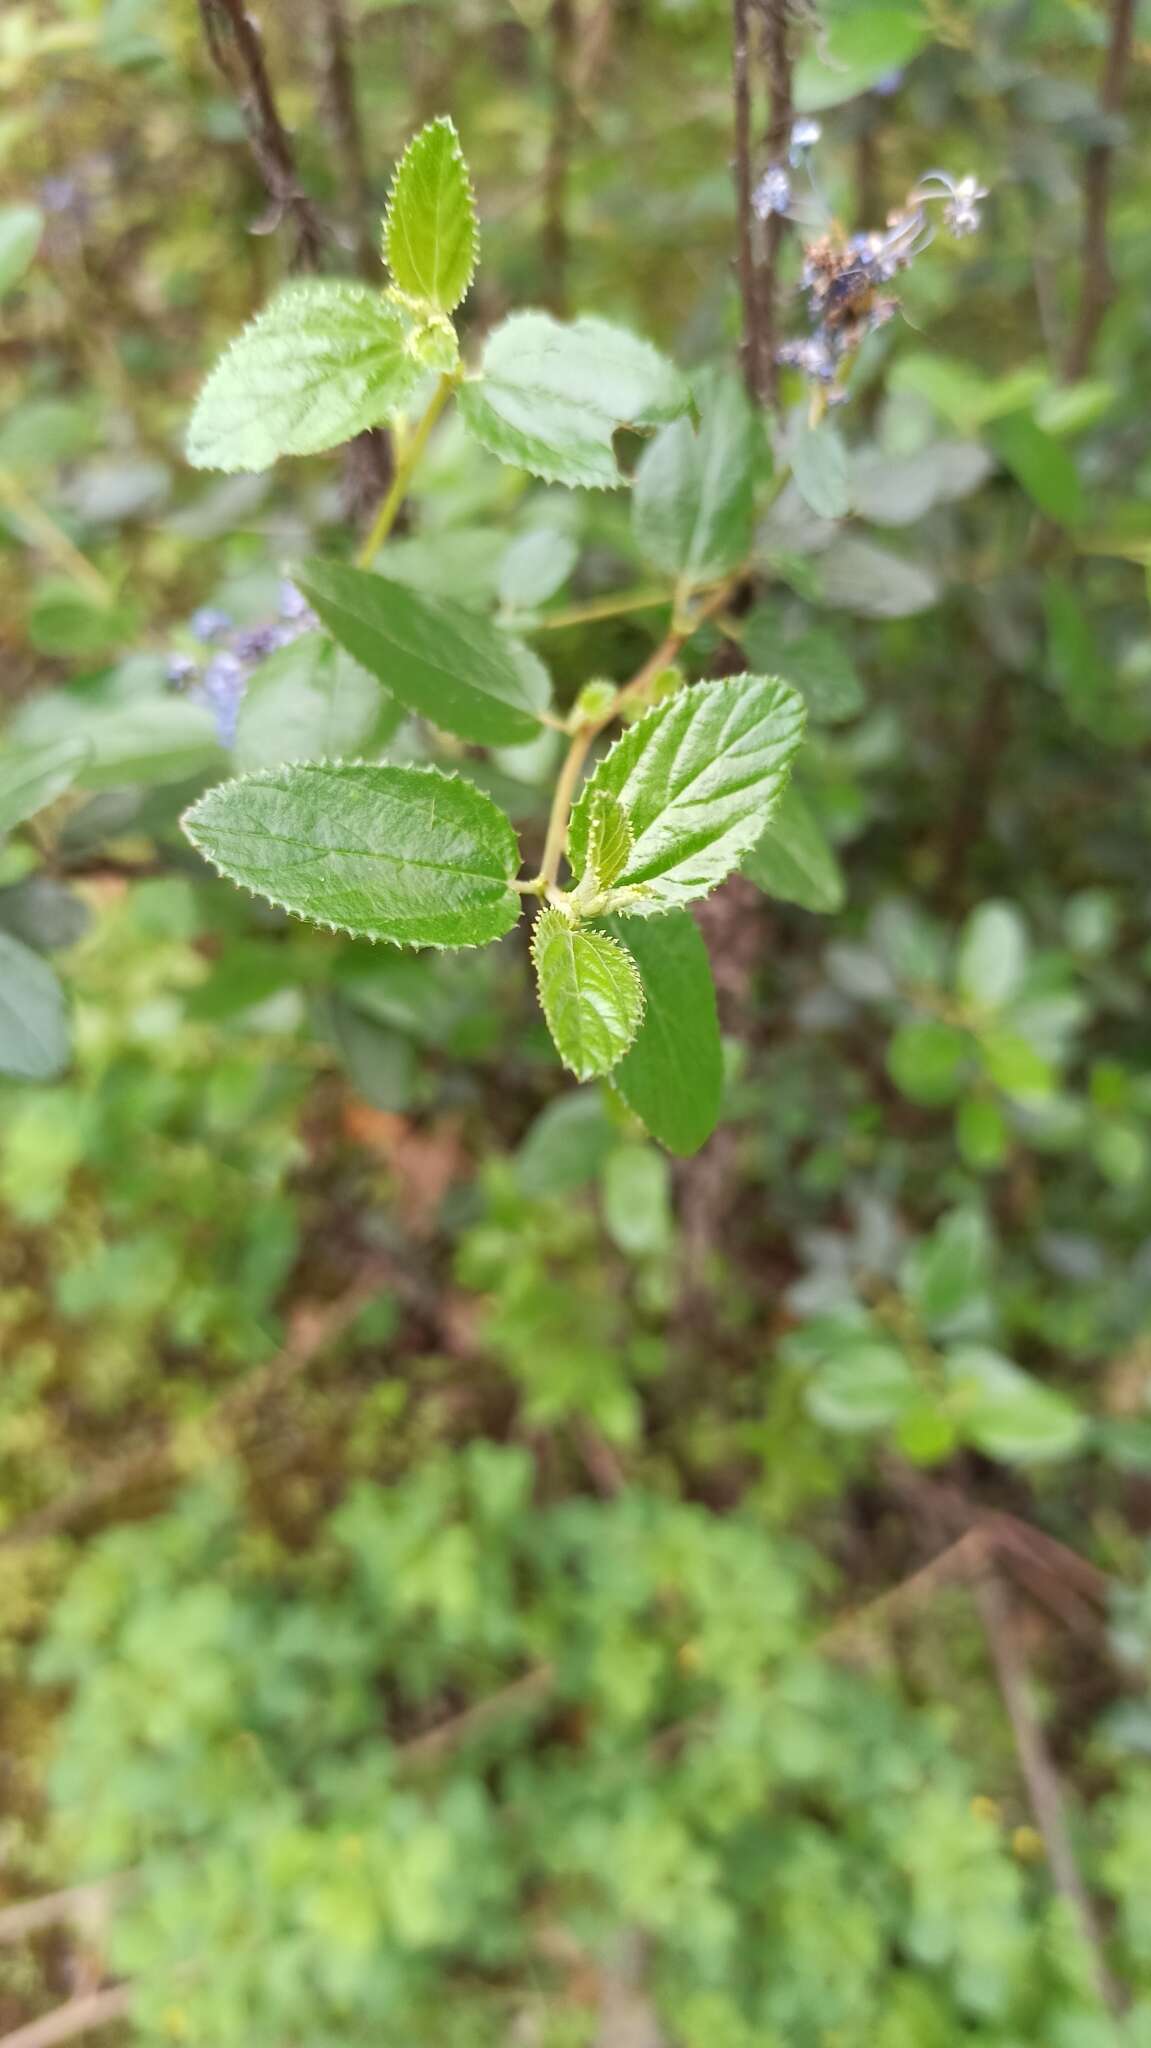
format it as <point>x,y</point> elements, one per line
<point>590,931</point>
<point>437,121</point>
<point>346,931</point>
<point>653,711</point>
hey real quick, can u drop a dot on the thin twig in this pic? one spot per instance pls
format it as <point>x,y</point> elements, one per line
<point>79,2016</point>
<point>84,1904</point>
<point>556,241</point>
<point>1096,279</point>
<point>777,58</point>
<point>750,351</point>
<point>237,51</point>
<point>343,114</point>
<point>1039,1773</point>
<point>317,1330</point>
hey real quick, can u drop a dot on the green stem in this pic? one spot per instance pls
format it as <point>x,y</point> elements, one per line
<point>46,534</point>
<point>397,491</point>
<point>598,608</point>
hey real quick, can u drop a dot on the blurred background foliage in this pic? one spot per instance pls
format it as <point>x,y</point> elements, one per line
<point>466,1579</point>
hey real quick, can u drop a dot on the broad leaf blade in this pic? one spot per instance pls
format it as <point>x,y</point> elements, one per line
<point>447,663</point>
<point>33,777</point>
<point>692,507</point>
<point>673,1076</point>
<point>323,361</point>
<point>431,240</point>
<point>311,701</point>
<point>819,466</point>
<point>552,395</point>
<point>590,993</point>
<point>699,777</point>
<point>405,854</point>
<point>33,1015</point>
<point>795,860</point>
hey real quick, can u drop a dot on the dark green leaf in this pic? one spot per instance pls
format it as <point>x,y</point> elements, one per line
<point>795,860</point>
<point>692,506</point>
<point>437,658</point>
<point>1041,465</point>
<point>673,1076</point>
<point>405,854</point>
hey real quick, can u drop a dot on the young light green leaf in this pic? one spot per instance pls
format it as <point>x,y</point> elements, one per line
<point>928,1059</point>
<point>1005,1412</point>
<point>795,859</point>
<point>692,505</point>
<point>865,1386</point>
<point>673,1076</point>
<point>1041,464</point>
<point>534,567</point>
<point>610,840</point>
<point>699,777</point>
<point>946,1275</point>
<point>636,1195</point>
<point>436,657</point>
<point>552,395</point>
<point>431,240</point>
<point>33,1015</point>
<point>32,777</point>
<point>590,993</point>
<point>819,466</point>
<point>992,955</point>
<point>324,360</point>
<point>20,230</point>
<point>406,854</point>
<point>311,701</point>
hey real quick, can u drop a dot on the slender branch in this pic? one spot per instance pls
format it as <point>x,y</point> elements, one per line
<point>46,534</point>
<point>750,348</point>
<point>82,1903</point>
<point>1040,1776</point>
<point>599,608</point>
<point>385,518</point>
<point>777,57</point>
<point>1096,279</point>
<point>236,49</point>
<point>556,242</point>
<point>343,113</point>
<point>79,2016</point>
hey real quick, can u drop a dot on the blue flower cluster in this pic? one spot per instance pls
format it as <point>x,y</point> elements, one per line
<point>219,675</point>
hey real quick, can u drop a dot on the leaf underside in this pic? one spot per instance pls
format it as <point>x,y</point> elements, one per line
<point>382,852</point>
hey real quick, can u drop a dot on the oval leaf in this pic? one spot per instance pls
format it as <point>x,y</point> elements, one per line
<point>819,466</point>
<point>794,860</point>
<point>20,230</point>
<point>322,362</point>
<point>692,508</point>
<point>431,241</point>
<point>406,854</point>
<point>438,658</point>
<point>311,700</point>
<point>552,395</point>
<point>590,993</point>
<point>32,777</point>
<point>33,1015</point>
<point>673,1076</point>
<point>699,778</point>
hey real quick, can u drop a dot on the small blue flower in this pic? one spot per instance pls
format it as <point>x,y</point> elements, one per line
<point>773,192</point>
<point>210,623</point>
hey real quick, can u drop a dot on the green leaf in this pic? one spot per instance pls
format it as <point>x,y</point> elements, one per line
<point>406,854</point>
<point>981,1132</point>
<point>816,662</point>
<point>1005,1412</point>
<point>324,360</point>
<point>33,777</point>
<point>590,992</point>
<point>927,1059</point>
<point>819,466</point>
<point>692,507</point>
<point>309,702</point>
<point>637,1201</point>
<point>855,48</point>
<point>1041,465</point>
<point>20,230</point>
<point>610,840</point>
<point>699,777</point>
<point>795,860</point>
<point>566,1145</point>
<point>551,396</point>
<point>948,1272</point>
<point>673,1076</point>
<point>992,957</point>
<point>148,739</point>
<point>535,566</point>
<point>431,240</point>
<point>865,1384</point>
<point>898,490</point>
<point>436,657</point>
<point>856,575</point>
<point>33,1015</point>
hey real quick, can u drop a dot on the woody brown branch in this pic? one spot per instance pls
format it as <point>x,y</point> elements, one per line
<point>236,49</point>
